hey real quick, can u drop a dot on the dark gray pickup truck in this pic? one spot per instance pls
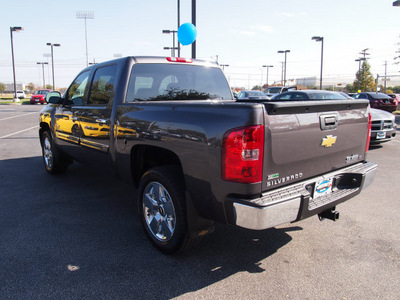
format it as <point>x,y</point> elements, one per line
<point>172,128</point>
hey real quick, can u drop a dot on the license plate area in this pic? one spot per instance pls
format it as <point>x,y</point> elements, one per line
<point>323,187</point>
<point>380,135</point>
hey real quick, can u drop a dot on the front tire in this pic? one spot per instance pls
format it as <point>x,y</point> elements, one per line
<point>53,161</point>
<point>162,209</point>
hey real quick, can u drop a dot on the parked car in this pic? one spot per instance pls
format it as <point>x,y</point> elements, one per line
<point>378,100</point>
<point>21,94</point>
<point>309,95</point>
<point>383,127</point>
<point>39,97</point>
<point>252,95</point>
<point>397,99</point>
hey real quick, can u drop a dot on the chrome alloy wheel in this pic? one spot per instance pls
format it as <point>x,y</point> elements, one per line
<point>159,212</point>
<point>47,153</point>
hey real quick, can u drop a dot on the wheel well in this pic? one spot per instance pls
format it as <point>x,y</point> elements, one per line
<point>144,157</point>
<point>43,127</point>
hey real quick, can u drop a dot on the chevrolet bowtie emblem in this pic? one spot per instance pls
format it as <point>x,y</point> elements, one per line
<point>328,141</point>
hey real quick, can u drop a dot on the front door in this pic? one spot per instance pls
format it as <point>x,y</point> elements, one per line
<point>67,129</point>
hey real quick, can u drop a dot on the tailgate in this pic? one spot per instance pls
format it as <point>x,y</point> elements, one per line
<point>309,138</point>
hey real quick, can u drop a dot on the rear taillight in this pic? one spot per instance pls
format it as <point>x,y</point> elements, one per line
<point>242,154</point>
<point>179,59</point>
<point>369,132</point>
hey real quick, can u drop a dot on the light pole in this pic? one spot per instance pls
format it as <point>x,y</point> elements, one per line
<point>85,15</point>
<point>172,50</point>
<point>223,67</point>
<point>173,42</point>
<point>265,66</point>
<point>179,24</point>
<point>52,60</point>
<point>43,63</point>
<point>284,76</point>
<point>12,29</point>
<point>194,23</point>
<point>320,39</point>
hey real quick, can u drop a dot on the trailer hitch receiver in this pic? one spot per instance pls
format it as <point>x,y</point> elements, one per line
<point>330,214</point>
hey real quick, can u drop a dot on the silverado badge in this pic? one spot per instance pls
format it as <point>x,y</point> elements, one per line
<point>328,141</point>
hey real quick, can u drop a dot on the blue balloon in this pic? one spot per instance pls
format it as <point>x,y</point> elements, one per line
<point>187,33</point>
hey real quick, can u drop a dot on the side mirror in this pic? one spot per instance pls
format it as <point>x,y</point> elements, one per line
<point>54,98</point>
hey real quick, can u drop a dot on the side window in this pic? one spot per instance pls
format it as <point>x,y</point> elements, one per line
<point>283,97</point>
<point>77,89</point>
<point>103,86</point>
<point>299,96</point>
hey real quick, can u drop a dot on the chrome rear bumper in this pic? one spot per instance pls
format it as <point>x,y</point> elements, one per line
<point>295,202</point>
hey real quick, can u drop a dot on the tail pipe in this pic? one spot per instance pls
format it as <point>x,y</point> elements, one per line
<point>330,214</point>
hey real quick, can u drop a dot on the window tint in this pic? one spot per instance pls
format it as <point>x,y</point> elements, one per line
<point>161,82</point>
<point>327,96</point>
<point>77,89</point>
<point>102,90</point>
<point>255,94</point>
<point>275,90</point>
<point>379,96</point>
<point>283,97</point>
<point>299,96</point>
<point>362,96</point>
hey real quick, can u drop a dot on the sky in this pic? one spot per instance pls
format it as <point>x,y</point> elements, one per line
<point>242,34</point>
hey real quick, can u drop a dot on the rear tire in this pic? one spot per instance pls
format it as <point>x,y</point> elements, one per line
<point>54,161</point>
<point>162,209</point>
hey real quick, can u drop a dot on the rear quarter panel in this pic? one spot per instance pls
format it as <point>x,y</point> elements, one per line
<point>194,131</point>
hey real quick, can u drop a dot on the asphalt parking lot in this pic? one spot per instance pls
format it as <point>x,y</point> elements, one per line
<point>78,236</point>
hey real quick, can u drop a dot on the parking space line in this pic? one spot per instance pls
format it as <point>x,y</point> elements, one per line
<point>11,134</point>
<point>19,116</point>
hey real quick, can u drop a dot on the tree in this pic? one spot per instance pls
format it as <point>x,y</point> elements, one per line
<point>2,87</point>
<point>256,87</point>
<point>350,88</point>
<point>364,80</point>
<point>31,87</point>
<point>395,89</point>
<point>389,91</point>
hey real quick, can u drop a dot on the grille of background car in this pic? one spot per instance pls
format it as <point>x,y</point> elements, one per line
<point>382,125</point>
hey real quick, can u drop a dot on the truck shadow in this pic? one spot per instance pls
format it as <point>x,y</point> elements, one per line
<point>375,146</point>
<point>78,235</point>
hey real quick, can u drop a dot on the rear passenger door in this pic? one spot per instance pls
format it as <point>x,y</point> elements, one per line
<point>95,117</point>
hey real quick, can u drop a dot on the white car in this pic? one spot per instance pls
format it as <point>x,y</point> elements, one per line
<point>384,127</point>
<point>21,94</point>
